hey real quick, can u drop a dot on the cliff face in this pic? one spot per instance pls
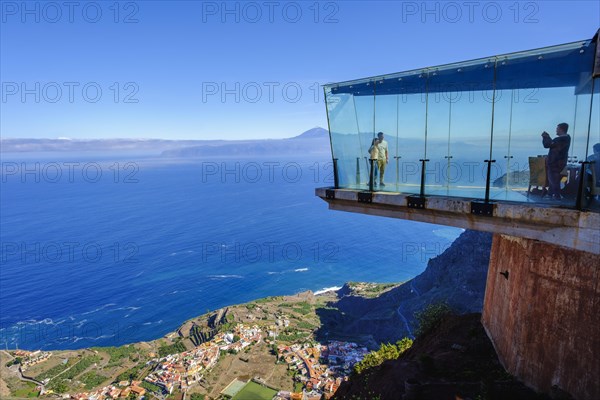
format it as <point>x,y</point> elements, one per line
<point>541,313</point>
<point>453,361</point>
<point>541,310</point>
<point>457,276</point>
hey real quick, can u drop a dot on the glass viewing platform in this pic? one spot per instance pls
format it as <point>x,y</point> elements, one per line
<point>473,129</point>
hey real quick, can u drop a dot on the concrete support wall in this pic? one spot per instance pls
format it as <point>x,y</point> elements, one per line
<point>544,320</point>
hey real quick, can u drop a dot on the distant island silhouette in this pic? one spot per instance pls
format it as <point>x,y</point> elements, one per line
<point>312,141</point>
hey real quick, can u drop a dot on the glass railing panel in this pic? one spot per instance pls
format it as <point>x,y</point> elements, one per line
<point>344,135</point>
<point>365,121</point>
<point>459,121</point>
<point>510,174</point>
<point>387,134</point>
<point>401,115</point>
<point>439,110</point>
<point>536,91</point>
<point>591,186</point>
<point>578,152</point>
<point>351,119</point>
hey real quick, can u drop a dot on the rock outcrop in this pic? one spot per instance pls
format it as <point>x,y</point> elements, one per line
<point>456,277</point>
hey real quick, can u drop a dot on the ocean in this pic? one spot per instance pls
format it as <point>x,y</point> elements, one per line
<point>105,250</point>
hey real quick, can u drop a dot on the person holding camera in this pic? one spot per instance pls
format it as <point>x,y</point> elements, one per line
<point>557,157</point>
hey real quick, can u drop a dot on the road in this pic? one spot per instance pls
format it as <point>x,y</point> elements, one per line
<point>24,378</point>
<point>403,318</point>
<point>8,355</point>
<point>414,290</point>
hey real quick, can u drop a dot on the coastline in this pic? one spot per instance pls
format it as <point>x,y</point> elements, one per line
<point>50,322</point>
<point>261,323</point>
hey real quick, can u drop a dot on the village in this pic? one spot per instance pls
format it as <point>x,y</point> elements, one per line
<point>320,368</point>
<point>317,369</point>
<point>180,370</point>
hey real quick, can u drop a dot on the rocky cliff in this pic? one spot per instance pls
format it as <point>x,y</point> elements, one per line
<point>455,360</point>
<point>457,277</point>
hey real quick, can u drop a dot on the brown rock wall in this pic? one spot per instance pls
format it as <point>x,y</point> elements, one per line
<point>544,320</point>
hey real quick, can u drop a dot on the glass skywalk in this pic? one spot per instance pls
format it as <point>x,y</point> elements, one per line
<point>473,129</point>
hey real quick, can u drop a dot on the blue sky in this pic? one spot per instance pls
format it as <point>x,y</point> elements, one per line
<point>237,70</point>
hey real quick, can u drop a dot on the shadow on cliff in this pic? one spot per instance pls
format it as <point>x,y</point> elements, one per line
<point>457,277</point>
<point>453,360</point>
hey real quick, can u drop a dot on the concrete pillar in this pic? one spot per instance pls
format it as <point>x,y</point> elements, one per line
<point>542,313</point>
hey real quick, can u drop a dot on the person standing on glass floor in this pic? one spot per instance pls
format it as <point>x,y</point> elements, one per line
<point>383,159</point>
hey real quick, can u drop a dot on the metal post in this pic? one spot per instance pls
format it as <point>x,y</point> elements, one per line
<point>371,173</point>
<point>508,172</point>
<point>448,158</point>
<point>358,170</point>
<point>579,201</point>
<point>397,169</point>
<point>487,180</point>
<point>336,181</point>
<point>423,161</point>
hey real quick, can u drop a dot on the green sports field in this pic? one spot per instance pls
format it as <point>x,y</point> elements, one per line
<point>254,391</point>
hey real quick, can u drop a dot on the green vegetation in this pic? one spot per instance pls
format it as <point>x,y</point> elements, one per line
<point>380,287</point>
<point>92,379</point>
<point>268,299</point>
<point>226,327</point>
<point>254,391</point>
<point>430,317</point>
<point>229,323</point>
<point>273,349</point>
<point>131,374</point>
<point>197,396</point>
<point>298,386</point>
<point>58,386</point>
<point>151,387</point>
<point>370,289</point>
<point>55,370</point>
<point>199,335</point>
<point>17,360</point>
<point>177,347</point>
<point>78,368</point>
<point>117,354</point>
<point>292,336</point>
<point>385,352</point>
<point>305,325</point>
<point>302,308</point>
<point>27,392</point>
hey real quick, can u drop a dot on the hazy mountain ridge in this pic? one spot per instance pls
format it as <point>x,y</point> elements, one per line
<point>314,140</point>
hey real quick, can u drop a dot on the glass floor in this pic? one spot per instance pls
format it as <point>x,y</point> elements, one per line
<point>513,194</point>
